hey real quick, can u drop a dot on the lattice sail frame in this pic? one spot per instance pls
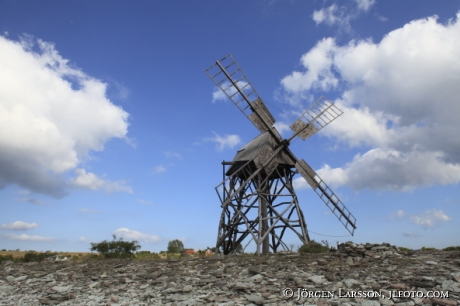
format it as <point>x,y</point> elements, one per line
<point>230,78</point>
<point>320,114</point>
<point>243,215</point>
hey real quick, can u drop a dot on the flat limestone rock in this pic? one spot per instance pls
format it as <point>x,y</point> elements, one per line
<point>240,280</point>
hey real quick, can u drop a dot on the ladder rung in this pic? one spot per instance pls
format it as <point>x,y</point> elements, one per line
<point>230,65</point>
<point>231,74</point>
<point>220,82</point>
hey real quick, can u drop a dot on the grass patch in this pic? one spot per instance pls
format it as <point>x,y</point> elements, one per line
<point>147,255</point>
<point>313,247</point>
<point>403,249</point>
<point>452,248</point>
<point>424,249</point>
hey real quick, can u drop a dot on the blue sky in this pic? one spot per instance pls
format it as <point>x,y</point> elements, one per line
<point>109,125</point>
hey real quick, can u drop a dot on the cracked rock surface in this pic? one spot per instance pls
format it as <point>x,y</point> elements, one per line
<point>241,280</point>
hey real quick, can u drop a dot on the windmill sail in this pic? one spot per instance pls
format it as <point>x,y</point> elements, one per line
<point>327,195</point>
<point>320,114</point>
<point>229,77</point>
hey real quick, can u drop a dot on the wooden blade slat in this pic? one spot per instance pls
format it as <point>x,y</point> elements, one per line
<point>320,114</point>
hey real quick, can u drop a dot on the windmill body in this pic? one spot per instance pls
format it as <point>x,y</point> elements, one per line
<point>257,196</point>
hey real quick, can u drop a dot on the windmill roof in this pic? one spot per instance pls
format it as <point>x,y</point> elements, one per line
<point>253,151</point>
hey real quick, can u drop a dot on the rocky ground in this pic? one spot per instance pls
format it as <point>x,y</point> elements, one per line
<point>355,275</point>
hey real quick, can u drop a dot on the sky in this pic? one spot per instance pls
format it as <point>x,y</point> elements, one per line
<point>110,126</point>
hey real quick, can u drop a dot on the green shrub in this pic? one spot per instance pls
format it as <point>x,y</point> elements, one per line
<point>116,248</point>
<point>5,258</point>
<point>313,247</point>
<point>144,255</point>
<point>33,257</point>
<point>452,248</point>
<point>88,257</point>
<point>403,249</point>
<point>429,249</point>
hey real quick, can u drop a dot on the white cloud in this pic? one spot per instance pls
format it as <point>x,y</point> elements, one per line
<point>88,210</point>
<point>170,154</point>
<point>145,202</point>
<point>122,92</point>
<point>427,219</point>
<point>318,62</point>
<point>381,18</point>
<point>411,235</point>
<point>91,181</point>
<point>386,169</point>
<point>430,218</point>
<point>300,183</point>
<point>341,16</point>
<point>229,141</point>
<point>219,94</point>
<point>51,116</point>
<point>159,169</point>
<point>327,15</point>
<point>135,235</point>
<point>19,226</point>
<point>24,237</point>
<point>282,128</point>
<point>400,213</point>
<point>83,240</point>
<point>400,103</point>
<point>365,5</point>
<point>29,200</point>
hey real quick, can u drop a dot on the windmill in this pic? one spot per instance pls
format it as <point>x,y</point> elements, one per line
<point>257,195</point>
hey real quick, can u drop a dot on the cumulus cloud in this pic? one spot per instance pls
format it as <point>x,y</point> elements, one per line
<point>122,92</point>
<point>135,235</point>
<point>399,214</point>
<point>427,219</point>
<point>223,142</point>
<point>219,94</point>
<point>319,75</point>
<point>411,235</point>
<point>400,103</point>
<point>365,5</point>
<point>29,200</point>
<point>282,128</point>
<point>170,154</point>
<point>341,16</point>
<point>19,226</point>
<point>89,210</point>
<point>430,218</point>
<point>328,15</point>
<point>24,237</point>
<point>145,202</point>
<point>160,168</point>
<point>389,169</point>
<point>83,239</point>
<point>91,181</point>
<point>51,116</point>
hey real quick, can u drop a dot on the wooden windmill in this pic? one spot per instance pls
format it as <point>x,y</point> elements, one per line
<point>257,196</point>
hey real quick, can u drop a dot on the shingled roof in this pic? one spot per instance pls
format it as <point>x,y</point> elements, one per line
<point>257,151</point>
